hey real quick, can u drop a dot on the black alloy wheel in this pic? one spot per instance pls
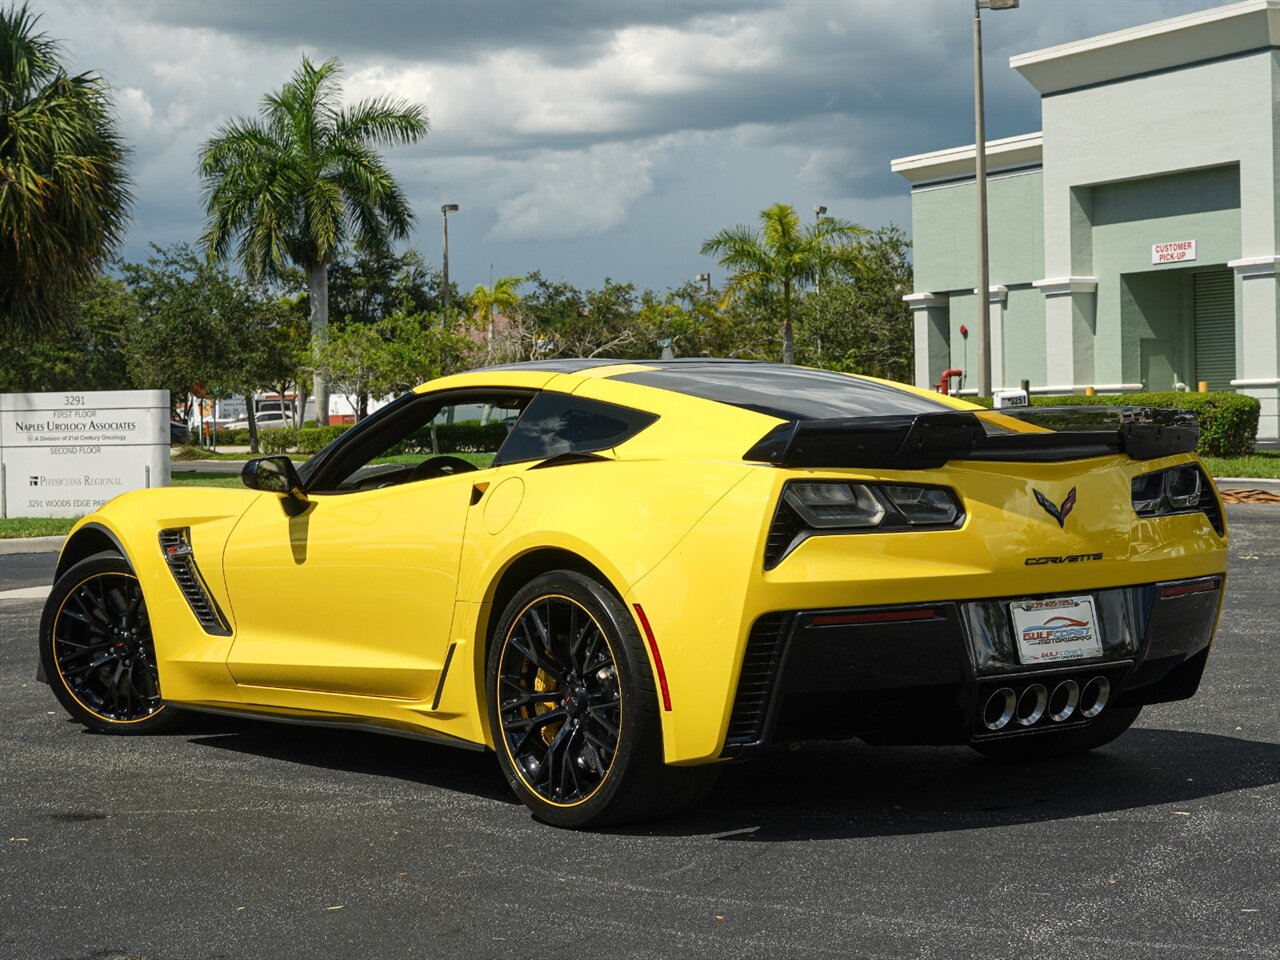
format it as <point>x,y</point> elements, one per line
<point>97,648</point>
<point>574,712</point>
<point>561,709</point>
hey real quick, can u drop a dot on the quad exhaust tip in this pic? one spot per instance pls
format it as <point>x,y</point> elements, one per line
<point>1031,705</point>
<point>1094,696</point>
<point>1067,700</point>
<point>999,708</point>
<point>1063,701</point>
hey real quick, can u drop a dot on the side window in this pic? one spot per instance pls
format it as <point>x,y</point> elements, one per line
<point>557,423</point>
<point>419,438</point>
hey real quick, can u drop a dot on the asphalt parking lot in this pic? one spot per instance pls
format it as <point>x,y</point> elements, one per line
<point>241,840</point>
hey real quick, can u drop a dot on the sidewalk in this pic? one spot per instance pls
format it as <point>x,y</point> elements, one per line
<point>30,545</point>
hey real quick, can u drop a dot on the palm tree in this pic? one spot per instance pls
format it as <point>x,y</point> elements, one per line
<point>784,256</point>
<point>64,192</point>
<point>303,178</point>
<point>501,296</point>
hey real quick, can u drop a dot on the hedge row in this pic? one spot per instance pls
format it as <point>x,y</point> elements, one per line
<point>1228,421</point>
<point>467,437</point>
<point>304,440</point>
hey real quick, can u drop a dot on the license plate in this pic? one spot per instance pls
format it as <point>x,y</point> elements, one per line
<point>1056,631</point>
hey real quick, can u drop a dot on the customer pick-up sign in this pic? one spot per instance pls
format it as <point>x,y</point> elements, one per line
<point>1175,251</point>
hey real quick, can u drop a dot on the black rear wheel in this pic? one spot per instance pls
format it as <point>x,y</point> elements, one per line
<point>573,709</point>
<point>97,650</point>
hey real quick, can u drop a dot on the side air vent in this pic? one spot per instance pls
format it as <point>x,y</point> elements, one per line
<point>176,547</point>
<point>784,530</point>
<point>756,682</point>
<point>1208,504</point>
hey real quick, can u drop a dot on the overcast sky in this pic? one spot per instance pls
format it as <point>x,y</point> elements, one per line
<point>589,139</point>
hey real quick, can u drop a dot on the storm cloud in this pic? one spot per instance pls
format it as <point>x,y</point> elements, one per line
<point>587,139</point>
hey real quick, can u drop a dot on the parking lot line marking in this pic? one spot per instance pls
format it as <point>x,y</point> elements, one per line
<point>25,593</point>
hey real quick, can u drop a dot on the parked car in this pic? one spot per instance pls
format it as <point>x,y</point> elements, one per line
<point>179,432</point>
<point>266,421</point>
<point>666,566</point>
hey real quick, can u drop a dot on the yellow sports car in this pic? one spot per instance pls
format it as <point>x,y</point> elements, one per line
<point>666,566</point>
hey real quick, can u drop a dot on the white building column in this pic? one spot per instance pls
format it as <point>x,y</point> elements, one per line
<point>1258,343</point>
<point>997,299</point>
<point>932,322</point>
<point>1070,309</point>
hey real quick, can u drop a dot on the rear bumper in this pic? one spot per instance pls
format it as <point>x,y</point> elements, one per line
<point>922,673</point>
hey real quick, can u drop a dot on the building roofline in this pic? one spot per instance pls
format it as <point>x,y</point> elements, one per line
<point>1024,150</point>
<point>1215,33</point>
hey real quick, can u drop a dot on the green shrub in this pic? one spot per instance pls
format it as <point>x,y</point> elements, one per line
<point>311,440</point>
<point>468,436</point>
<point>234,438</point>
<point>277,440</point>
<point>1228,421</point>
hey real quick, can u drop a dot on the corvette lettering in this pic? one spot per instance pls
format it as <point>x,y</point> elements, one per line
<point>1069,558</point>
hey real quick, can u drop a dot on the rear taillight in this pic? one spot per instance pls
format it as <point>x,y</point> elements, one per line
<point>809,508</point>
<point>1174,491</point>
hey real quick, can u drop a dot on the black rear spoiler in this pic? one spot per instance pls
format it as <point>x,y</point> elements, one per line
<point>927,440</point>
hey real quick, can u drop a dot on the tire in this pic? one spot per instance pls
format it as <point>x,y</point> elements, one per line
<point>1062,743</point>
<point>574,712</point>
<point>97,649</point>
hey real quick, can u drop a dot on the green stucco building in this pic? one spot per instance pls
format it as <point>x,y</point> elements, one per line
<point>1135,240</point>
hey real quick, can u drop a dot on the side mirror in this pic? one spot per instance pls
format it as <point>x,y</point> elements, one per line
<point>279,476</point>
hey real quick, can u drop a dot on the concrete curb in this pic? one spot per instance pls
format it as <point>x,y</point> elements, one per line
<point>30,545</point>
<point>1247,483</point>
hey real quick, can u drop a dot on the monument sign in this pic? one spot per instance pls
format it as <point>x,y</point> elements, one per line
<point>66,454</point>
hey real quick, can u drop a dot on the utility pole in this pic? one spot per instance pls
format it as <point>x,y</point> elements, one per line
<point>983,289</point>
<point>818,211</point>
<point>445,210</point>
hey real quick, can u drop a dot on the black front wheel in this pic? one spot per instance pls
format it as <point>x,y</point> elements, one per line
<point>574,712</point>
<point>97,650</point>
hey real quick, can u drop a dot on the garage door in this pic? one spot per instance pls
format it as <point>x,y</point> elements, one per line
<point>1215,319</point>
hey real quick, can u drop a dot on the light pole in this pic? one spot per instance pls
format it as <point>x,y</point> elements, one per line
<point>980,164</point>
<point>445,210</point>
<point>818,211</point>
<point>705,278</point>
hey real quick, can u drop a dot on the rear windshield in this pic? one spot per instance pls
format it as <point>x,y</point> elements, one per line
<point>789,393</point>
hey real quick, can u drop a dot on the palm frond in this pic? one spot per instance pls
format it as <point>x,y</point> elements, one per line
<point>64,190</point>
<point>382,121</point>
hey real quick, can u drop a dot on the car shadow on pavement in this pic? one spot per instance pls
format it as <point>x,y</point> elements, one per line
<point>849,790</point>
<point>367,754</point>
<point>830,790</point>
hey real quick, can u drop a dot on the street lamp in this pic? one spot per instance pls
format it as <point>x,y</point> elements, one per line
<point>445,210</point>
<point>705,278</point>
<point>980,162</point>
<point>818,211</point>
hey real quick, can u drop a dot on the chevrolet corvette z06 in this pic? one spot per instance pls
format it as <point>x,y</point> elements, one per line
<point>660,567</point>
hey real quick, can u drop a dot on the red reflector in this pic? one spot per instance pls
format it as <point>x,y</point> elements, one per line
<point>882,616</point>
<point>1182,589</point>
<point>657,657</point>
